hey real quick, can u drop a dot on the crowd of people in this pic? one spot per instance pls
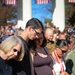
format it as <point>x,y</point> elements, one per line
<point>37,50</point>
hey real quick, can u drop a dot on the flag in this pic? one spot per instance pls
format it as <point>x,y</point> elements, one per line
<point>71,1</point>
<point>42,1</point>
<point>9,2</point>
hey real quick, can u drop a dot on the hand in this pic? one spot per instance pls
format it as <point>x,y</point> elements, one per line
<point>64,73</point>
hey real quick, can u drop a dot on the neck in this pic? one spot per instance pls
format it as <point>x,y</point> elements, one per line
<point>24,35</point>
<point>39,47</point>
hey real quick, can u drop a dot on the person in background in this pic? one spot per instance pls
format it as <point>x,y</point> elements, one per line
<point>49,34</point>
<point>11,32</point>
<point>7,34</point>
<point>62,35</point>
<point>33,29</point>
<point>10,48</point>
<point>70,60</point>
<point>58,62</point>
<point>2,32</point>
<point>18,32</point>
<point>42,61</point>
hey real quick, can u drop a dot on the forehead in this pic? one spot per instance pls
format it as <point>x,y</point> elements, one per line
<point>65,47</point>
<point>39,30</point>
<point>50,31</point>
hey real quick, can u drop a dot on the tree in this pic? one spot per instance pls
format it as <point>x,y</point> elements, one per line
<point>6,13</point>
<point>70,13</point>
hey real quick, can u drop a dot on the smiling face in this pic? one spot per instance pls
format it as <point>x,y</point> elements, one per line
<point>11,54</point>
<point>49,34</point>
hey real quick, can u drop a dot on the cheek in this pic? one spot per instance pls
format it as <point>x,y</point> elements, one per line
<point>59,53</point>
<point>9,53</point>
<point>32,35</point>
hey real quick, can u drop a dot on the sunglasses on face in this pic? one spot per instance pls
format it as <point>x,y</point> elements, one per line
<point>15,50</point>
<point>63,51</point>
<point>37,33</point>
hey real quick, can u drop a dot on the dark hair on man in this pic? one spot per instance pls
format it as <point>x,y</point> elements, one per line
<point>35,23</point>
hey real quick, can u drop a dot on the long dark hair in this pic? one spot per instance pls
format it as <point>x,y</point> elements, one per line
<point>32,45</point>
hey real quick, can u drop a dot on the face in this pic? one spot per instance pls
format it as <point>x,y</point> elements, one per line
<point>35,33</point>
<point>62,36</point>
<point>14,51</point>
<point>39,40</point>
<point>49,35</point>
<point>61,51</point>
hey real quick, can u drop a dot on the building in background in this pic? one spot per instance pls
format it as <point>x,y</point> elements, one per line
<point>41,9</point>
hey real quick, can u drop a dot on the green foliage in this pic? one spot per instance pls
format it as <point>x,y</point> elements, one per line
<point>69,12</point>
<point>46,20</point>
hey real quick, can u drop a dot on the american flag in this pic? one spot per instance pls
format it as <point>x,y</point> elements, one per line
<point>9,2</point>
<point>71,1</point>
<point>42,1</point>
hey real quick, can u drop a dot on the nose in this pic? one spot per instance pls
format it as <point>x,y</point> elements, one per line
<point>37,36</point>
<point>15,53</point>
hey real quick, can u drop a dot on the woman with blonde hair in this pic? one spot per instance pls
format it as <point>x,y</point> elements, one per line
<point>10,48</point>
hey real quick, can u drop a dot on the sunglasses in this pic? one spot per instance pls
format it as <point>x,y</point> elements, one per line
<point>37,33</point>
<point>15,50</point>
<point>63,51</point>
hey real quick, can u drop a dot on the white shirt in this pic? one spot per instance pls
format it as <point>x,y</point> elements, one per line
<point>57,67</point>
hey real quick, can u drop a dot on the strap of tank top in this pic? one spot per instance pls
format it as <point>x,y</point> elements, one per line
<point>45,51</point>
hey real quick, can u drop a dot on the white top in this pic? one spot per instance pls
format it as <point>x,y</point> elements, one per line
<point>57,67</point>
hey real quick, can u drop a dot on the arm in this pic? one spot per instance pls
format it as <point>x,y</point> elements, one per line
<point>1,72</point>
<point>53,72</point>
<point>32,60</point>
<point>64,73</point>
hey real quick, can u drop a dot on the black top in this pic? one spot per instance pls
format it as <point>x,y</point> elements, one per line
<point>5,69</point>
<point>22,67</point>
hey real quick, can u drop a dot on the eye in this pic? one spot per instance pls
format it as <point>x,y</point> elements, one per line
<point>15,50</point>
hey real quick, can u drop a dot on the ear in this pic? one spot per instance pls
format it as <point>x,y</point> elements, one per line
<point>29,28</point>
<point>44,35</point>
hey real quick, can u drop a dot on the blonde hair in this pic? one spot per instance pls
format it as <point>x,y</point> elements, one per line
<point>9,43</point>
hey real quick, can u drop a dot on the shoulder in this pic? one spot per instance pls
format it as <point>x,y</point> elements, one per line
<point>46,49</point>
<point>1,60</point>
<point>70,55</point>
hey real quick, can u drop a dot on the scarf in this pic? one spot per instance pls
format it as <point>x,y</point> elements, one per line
<point>59,60</point>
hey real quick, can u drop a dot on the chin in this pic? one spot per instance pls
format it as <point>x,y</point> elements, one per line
<point>60,56</point>
<point>8,59</point>
<point>31,39</point>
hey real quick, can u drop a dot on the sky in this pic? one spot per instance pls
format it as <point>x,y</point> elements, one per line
<point>41,11</point>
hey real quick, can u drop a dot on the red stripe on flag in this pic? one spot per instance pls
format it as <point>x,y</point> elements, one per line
<point>71,1</point>
<point>10,1</point>
<point>42,1</point>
